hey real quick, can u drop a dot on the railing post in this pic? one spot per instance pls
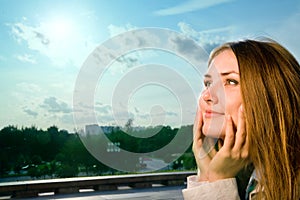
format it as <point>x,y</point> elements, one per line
<point>141,185</point>
<point>25,194</point>
<point>173,182</point>
<point>105,187</point>
<point>67,190</point>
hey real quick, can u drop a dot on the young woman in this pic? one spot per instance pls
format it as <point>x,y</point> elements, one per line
<point>251,105</point>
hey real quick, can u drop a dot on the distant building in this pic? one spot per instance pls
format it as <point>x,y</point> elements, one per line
<point>95,129</point>
<point>92,129</point>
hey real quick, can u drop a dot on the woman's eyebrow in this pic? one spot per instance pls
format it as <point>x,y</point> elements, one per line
<point>229,72</point>
<point>222,74</point>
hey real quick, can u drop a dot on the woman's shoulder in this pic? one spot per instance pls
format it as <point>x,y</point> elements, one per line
<point>221,189</point>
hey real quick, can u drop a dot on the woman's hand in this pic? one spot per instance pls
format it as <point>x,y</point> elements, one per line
<point>232,156</point>
<point>203,148</point>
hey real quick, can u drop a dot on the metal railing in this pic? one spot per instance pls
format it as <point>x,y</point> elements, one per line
<point>98,183</point>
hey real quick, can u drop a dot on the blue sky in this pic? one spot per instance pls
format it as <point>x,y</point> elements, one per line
<point>45,43</point>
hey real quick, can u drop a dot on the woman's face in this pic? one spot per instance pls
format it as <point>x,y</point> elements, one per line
<point>221,95</point>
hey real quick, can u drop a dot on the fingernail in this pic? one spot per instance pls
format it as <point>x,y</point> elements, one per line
<point>242,108</point>
<point>228,117</point>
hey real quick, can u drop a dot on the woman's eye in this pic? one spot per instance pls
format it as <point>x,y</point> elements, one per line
<point>207,83</point>
<point>231,82</point>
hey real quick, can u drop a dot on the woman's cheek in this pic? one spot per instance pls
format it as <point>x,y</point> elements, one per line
<point>214,127</point>
<point>234,116</point>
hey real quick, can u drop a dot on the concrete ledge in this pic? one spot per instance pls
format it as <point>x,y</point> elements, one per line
<point>67,190</point>
<point>98,183</point>
<point>173,182</point>
<point>141,185</point>
<point>25,194</point>
<point>105,187</point>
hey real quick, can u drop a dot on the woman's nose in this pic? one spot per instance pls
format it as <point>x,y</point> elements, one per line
<point>209,96</point>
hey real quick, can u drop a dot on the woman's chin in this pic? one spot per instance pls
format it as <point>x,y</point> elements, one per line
<point>213,132</point>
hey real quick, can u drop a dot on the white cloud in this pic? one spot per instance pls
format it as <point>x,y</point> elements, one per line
<point>208,39</point>
<point>53,105</point>
<point>26,58</point>
<point>120,52</point>
<point>189,6</point>
<point>35,39</point>
<point>28,88</point>
<point>30,112</point>
<point>115,30</point>
<point>57,40</point>
<point>67,119</point>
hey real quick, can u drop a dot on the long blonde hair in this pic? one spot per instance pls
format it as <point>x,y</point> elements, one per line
<point>270,87</point>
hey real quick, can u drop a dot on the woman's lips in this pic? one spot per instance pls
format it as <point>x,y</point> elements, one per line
<point>211,113</point>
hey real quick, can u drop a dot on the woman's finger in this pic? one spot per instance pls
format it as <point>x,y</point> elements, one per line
<point>240,137</point>
<point>212,152</point>
<point>201,156</point>
<point>229,134</point>
<point>197,125</point>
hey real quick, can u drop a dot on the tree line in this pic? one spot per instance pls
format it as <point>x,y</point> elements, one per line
<point>57,153</point>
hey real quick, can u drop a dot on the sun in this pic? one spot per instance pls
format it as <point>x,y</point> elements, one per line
<point>61,38</point>
<point>59,29</point>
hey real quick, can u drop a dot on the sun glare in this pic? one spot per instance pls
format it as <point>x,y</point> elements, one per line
<point>59,29</point>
